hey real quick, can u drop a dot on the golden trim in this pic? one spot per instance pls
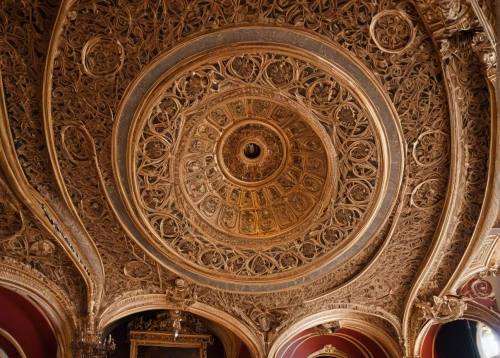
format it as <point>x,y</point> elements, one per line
<point>206,279</point>
<point>12,340</point>
<point>163,339</point>
<point>490,205</point>
<point>458,169</point>
<point>356,342</point>
<point>434,340</point>
<point>329,351</point>
<point>31,198</point>
<point>49,300</point>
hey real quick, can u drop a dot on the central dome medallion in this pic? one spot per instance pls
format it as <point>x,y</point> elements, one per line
<point>252,167</point>
<point>252,152</point>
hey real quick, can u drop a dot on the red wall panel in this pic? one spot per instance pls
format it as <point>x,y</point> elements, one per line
<point>351,342</point>
<point>26,325</point>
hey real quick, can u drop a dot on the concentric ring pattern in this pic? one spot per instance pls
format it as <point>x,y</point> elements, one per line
<point>307,193</point>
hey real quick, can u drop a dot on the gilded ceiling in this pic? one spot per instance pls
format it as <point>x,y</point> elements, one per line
<point>269,165</point>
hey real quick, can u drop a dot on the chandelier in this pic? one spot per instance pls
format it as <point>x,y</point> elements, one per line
<point>93,347</point>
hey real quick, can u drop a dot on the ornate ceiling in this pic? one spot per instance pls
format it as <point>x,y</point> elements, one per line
<point>268,165</point>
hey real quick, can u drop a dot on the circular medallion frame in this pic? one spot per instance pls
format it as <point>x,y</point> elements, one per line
<point>328,56</point>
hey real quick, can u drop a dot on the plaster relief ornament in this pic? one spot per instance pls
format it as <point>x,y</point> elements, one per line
<point>268,152</point>
<point>181,294</point>
<point>102,57</point>
<point>253,164</point>
<point>478,289</point>
<point>11,220</point>
<point>444,310</point>
<point>392,31</point>
<point>248,171</point>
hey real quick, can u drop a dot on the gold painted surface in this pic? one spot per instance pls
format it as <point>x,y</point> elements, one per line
<point>209,207</point>
<point>312,188</point>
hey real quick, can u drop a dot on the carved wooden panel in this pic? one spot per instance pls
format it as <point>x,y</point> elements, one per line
<point>283,158</point>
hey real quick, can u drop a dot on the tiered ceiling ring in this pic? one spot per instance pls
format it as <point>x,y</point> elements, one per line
<point>242,168</point>
<point>258,166</point>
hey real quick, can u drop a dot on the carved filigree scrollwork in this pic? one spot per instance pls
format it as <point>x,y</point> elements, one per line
<point>445,18</point>
<point>182,294</point>
<point>23,242</point>
<point>482,46</point>
<point>11,219</point>
<point>478,289</point>
<point>392,30</point>
<point>168,322</point>
<point>442,310</point>
<point>237,200</point>
<point>127,268</point>
<point>336,22</point>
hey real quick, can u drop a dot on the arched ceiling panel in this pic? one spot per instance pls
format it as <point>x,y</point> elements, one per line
<point>271,160</point>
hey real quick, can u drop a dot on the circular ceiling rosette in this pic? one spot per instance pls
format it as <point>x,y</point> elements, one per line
<point>255,165</point>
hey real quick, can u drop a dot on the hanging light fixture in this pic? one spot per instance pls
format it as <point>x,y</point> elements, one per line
<point>95,347</point>
<point>176,317</point>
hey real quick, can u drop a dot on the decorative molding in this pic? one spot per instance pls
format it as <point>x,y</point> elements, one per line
<point>385,332</point>
<point>139,302</point>
<point>48,298</point>
<point>442,310</point>
<point>181,295</point>
<point>329,351</point>
<point>395,102</point>
<point>14,343</point>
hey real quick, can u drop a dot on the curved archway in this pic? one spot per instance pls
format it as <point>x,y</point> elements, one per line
<point>344,342</point>
<point>475,312</point>
<point>24,327</point>
<point>142,333</point>
<point>48,301</point>
<point>328,351</point>
<point>480,304</point>
<point>129,306</point>
<point>9,346</point>
<point>356,324</point>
